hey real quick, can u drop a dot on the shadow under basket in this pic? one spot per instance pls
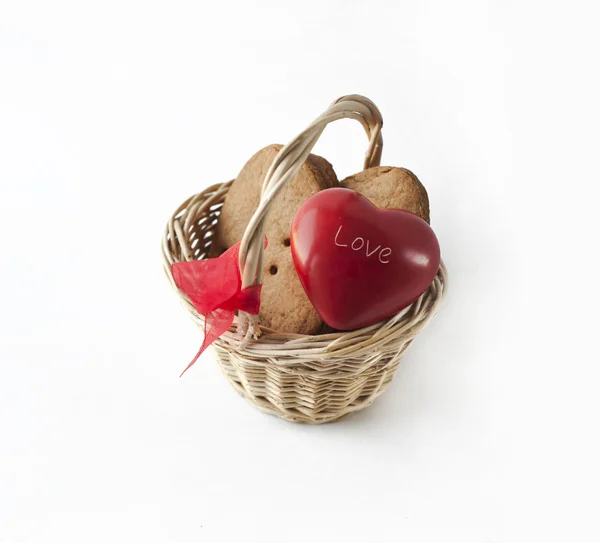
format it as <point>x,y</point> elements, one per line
<point>300,378</point>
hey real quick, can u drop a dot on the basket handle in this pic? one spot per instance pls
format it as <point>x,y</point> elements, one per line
<point>288,162</point>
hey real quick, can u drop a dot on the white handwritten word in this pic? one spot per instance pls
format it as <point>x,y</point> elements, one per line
<point>358,243</point>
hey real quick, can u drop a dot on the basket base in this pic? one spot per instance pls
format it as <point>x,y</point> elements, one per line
<point>308,397</point>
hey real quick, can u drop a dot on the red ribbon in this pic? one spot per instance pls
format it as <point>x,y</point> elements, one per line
<point>214,286</point>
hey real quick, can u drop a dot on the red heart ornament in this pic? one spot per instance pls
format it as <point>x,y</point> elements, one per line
<point>360,264</point>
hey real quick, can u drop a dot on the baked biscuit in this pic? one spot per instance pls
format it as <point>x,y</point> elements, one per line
<point>284,304</point>
<point>391,188</point>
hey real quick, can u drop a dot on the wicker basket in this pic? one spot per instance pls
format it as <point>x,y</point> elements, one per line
<point>300,378</point>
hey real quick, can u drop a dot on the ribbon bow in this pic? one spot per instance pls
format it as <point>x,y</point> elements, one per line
<point>214,286</point>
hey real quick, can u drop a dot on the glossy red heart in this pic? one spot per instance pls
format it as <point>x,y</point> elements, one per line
<point>360,264</point>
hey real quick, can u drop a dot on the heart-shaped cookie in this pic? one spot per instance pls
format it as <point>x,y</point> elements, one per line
<point>360,264</point>
<point>391,188</point>
<point>284,304</point>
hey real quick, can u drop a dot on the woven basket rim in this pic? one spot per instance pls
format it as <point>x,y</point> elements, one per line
<point>272,344</point>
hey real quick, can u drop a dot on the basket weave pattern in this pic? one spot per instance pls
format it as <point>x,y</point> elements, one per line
<point>300,378</point>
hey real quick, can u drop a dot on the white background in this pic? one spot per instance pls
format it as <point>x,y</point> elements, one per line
<point>112,113</point>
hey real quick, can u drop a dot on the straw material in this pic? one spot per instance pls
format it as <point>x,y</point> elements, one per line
<point>300,378</point>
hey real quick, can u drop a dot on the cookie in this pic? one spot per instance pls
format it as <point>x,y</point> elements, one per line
<point>391,188</point>
<point>284,304</point>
